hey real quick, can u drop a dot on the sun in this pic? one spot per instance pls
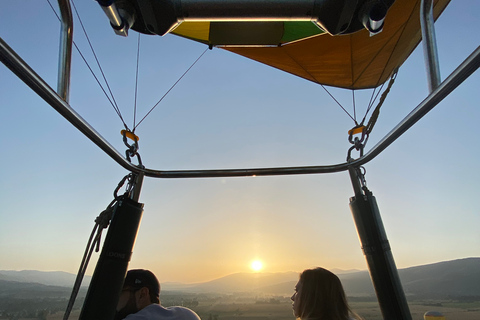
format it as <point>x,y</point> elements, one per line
<point>256,265</point>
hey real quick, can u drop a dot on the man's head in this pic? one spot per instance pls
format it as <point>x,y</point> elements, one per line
<point>139,278</point>
<point>140,289</point>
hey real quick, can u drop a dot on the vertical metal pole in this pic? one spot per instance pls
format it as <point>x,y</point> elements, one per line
<point>135,196</point>
<point>65,56</point>
<point>378,254</point>
<point>119,23</point>
<point>430,44</point>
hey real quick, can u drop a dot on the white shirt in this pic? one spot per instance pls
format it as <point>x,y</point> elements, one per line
<point>157,312</point>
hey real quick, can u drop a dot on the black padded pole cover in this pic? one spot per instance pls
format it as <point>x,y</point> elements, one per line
<point>107,281</point>
<point>378,254</point>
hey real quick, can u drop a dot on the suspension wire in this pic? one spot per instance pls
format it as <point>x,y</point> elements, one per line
<point>170,89</point>
<point>113,103</point>
<point>378,93</point>
<point>101,87</point>
<point>354,108</point>
<point>353,90</point>
<point>136,84</point>
<point>323,86</point>
<point>339,104</point>
<point>373,98</point>
<point>98,64</point>
<point>376,112</point>
<point>85,60</point>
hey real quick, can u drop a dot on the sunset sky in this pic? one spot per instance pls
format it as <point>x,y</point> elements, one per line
<point>229,112</point>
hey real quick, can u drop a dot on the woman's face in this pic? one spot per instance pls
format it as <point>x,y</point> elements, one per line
<point>296,300</point>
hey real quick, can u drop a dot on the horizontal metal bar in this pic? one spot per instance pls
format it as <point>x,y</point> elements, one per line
<point>26,74</point>
<point>467,68</point>
<point>460,74</point>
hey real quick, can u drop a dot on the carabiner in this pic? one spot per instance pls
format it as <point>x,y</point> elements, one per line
<point>132,150</point>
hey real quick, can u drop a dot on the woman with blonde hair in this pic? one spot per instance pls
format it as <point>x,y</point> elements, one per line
<point>319,295</point>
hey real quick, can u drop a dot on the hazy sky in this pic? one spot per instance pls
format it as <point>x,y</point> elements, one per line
<point>229,112</point>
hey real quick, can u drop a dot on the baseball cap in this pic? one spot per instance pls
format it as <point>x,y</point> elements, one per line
<point>139,278</point>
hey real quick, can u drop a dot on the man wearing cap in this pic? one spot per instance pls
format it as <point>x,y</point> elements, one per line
<point>139,300</point>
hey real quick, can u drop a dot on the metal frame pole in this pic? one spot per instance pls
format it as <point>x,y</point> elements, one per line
<point>37,84</point>
<point>65,56</point>
<point>107,281</point>
<point>135,195</point>
<point>430,44</point>
<point>377,251</point>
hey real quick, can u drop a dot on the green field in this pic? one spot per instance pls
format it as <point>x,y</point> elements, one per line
<point>368,310</point>
<point>251,307</point>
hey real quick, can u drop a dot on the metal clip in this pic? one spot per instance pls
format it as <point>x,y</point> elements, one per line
<point>131,181</point>
<point>358,143</point>
<point>132,150</point>
<point>361,171</point>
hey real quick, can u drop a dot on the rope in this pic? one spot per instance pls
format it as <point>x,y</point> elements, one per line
<point>170,89</point>
<point>376,112</point>
<point>101,222</point>
<point>373,97</point>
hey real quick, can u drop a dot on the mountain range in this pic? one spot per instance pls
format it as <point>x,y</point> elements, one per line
<point>456,278</point>
<point>50,278</point>
<point>449,278</point>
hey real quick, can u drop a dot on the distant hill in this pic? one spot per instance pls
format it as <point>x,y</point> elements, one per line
<point>356,284</point>
<point>29,290</point>
<point>449,279</point>
<point>444,279</point>
<point>240,282</point>
<point>51,278</point>
<point>245,282</point>
<point>440,280</point>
